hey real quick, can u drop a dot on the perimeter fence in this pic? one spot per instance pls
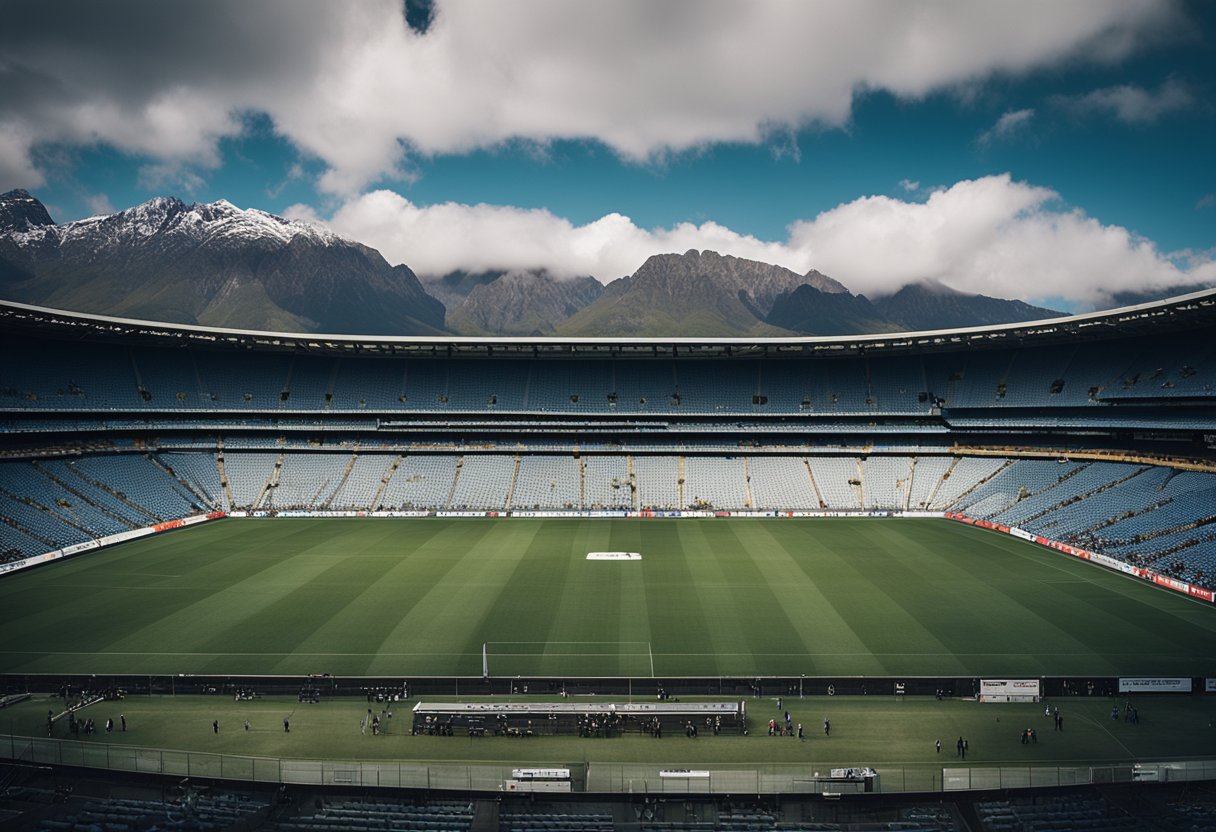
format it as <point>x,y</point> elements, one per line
<point>595,778</point>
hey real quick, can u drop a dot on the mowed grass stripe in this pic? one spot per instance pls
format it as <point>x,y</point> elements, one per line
<point>726,637</point>
<point>259,612</point>
<point>955,574</point>
<point>906,616</point>
<point>633,622</point>
<point>435,612</point>
<point>582,606</point>
<point>444,562</point>
<point>799,571</point>
<point>679,622</point>
<point>519,619</point>
<point>120,618</point>
<point>839,558</point>
<point>954,623</point>
<point>364,610</point>
<point>369,614</point>
<point>753,580</point>
<point>713,597</point>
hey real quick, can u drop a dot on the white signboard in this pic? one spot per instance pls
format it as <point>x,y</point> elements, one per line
<point>1009,690</point>
<point>1170,684</point>
<point>540,773</point>
<point>613,556</point>
<point>538,786</point>
<point>1007,687</point>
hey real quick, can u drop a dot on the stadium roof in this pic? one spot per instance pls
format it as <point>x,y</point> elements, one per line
<point>1184,312</point>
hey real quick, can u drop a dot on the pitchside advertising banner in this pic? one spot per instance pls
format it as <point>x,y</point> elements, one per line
<point>1155,684</point>
<point>77,548</point>
<point>1009,690</point>
<point>1112,563</point>
<point>1209,685</point>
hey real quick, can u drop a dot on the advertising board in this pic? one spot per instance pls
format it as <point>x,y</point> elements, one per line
<point>1154,684</point>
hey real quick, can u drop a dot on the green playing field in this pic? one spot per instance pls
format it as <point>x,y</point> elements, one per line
<point>714,597</point>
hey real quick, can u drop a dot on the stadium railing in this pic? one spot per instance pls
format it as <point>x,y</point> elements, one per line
<point>600,778</point>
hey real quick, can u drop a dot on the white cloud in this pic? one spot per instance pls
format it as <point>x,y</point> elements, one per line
<point>1009,124</point>
<point>173,176</point>
<point>99,204</point>
<point>1131,104</point>
<point>992,235</point>
<point>16,165</point>
<point>437,239</point>
<point>306,213</point>
<point>909,184</point>
<point>352,85</point>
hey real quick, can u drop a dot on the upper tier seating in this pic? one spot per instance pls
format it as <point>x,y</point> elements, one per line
<point>60,376</point>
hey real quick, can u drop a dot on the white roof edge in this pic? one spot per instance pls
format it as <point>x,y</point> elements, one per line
<point>1069,320</point>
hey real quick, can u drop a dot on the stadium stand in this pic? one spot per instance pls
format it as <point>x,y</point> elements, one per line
<point>306,481</point>
<point>659,481</point>
<point>607,483</point>
<point>884,482</point>
<point>838,481</point>
<point>1054,812</point>
<point>1170,369</point>
<point>547,482</point>
<point>361,481</point>
<point>483,482</point>
<point>357,815</point>
<point>1096,431</point>
<point>781,482</point>
<point>199,812</point>
<point>198,472</point>
<point>249,476</point>
<point>572,821</point>
<point>719,483</point>
<point>419,481</point>
<point>1139,513</point>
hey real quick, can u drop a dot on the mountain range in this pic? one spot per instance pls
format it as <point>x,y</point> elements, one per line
<point>210,264</point>
<point>216,264</point>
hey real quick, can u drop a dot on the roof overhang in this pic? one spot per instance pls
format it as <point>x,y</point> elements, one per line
<point>1185,312</point>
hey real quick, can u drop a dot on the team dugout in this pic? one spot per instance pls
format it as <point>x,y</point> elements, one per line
<point>590,719</point>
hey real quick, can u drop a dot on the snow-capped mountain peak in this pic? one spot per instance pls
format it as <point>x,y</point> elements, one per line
<point>210,263</point>
<point>205,223</point>
<point>19,211</point>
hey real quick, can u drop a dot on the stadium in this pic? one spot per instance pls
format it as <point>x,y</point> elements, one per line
<point>885,528</point>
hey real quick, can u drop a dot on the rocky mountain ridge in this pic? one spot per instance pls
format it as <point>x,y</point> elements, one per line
<point>210,263</point>
<point>216,264</point>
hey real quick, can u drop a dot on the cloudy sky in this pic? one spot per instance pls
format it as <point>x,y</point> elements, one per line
<point>1058,152</point>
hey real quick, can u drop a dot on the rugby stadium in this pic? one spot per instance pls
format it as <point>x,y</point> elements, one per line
<point>545,554</point>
